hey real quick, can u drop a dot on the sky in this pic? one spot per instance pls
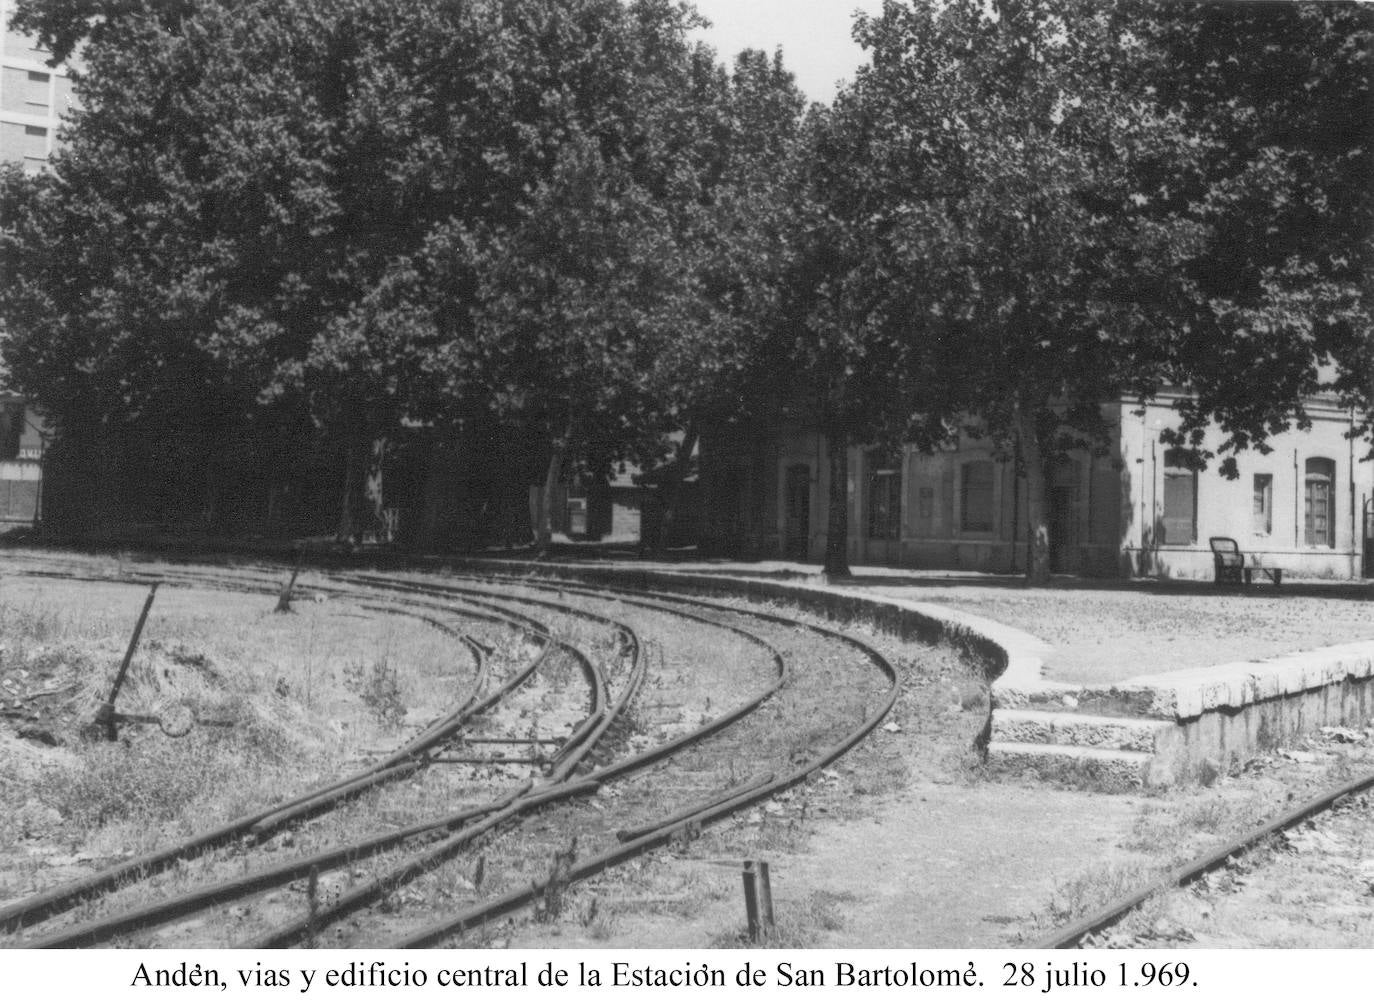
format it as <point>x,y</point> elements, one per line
<point>813,34</point>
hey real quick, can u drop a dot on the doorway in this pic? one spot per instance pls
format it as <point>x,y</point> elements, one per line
<point>1064,552</point>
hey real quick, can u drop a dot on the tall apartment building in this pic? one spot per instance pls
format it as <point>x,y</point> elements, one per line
<point>33,97</point>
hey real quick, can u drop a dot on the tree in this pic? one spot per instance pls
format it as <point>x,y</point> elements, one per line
<point>835,303</point>
<point>578,300</point>
<point>1280,100</point>
<point>736,237</point>
<point>299,207</point>
<point>1019,166</point>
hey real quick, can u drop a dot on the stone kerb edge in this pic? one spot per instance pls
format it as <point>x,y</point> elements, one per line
<point>1227,687</point>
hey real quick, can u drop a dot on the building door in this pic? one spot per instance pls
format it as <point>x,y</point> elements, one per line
<point>1064,554</point>
<point>797,495</point>
<point>1319,511</point>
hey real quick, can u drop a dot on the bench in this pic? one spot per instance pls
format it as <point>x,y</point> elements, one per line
<point>1229,563</point>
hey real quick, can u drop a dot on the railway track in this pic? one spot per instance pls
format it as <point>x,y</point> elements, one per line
<point>730,738</point>
<point>1097,927</point>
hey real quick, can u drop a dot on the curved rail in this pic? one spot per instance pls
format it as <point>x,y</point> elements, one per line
<point>474,821</point>
<point>398,764</point>
<point>663,830</point>
<point>402,762</point>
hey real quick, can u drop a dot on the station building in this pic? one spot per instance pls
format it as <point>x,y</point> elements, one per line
<point>1306,505</point>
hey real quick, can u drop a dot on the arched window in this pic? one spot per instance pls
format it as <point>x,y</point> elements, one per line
<point>975,507</point>
<point>1180,498</point>
<point>1319,503</point>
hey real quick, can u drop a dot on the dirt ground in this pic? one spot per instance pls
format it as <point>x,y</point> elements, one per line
<point>982,863</point>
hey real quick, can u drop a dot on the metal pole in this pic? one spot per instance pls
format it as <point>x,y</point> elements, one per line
<point>105,715</point>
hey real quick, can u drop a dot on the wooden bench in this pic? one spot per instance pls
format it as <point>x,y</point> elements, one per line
<point>1229,562</point>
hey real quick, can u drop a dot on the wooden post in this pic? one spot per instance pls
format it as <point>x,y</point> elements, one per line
<point>758,900</point>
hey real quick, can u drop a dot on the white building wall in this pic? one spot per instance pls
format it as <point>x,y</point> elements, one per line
<point>1226,507</point>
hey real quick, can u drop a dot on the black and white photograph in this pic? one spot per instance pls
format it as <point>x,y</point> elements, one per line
<point>674,488</point>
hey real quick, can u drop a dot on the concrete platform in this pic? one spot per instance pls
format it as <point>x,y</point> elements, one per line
<point>1149,730</point>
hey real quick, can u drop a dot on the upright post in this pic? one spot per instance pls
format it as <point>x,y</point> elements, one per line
<point>758,900</point>
<point>105,715</point>
<point>284,600</point>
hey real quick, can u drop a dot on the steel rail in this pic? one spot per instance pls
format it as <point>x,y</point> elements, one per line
<point>666,828</point>
<point>361,896</point>
<point>366,894</point>
<point>316,862</point>
<point>673,608</point>
<point>399,763</point>
<point>40,907</point>
<point>557,789</point>
<point>193,901</point>
<point>1071,935</point>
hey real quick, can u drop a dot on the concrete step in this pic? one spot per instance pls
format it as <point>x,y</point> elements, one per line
<point>1112,702</point>
<point>1071,729</point>
<point>1111,770</point>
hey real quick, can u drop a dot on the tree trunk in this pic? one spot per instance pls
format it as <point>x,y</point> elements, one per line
<point>677,474</point>
<point>442,493</point>
<point>1037,508</point>
<point>107,469</point>
<point>374,499</point>
<point>352,505</point>
<point>837,524</point>
<point>544,528</point>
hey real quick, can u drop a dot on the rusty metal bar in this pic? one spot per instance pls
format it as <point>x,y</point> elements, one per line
<point>105,715</point>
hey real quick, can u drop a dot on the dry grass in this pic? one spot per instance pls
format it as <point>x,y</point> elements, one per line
<point>304,696</point>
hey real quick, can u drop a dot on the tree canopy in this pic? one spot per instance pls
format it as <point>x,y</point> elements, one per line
<point>287,242</point>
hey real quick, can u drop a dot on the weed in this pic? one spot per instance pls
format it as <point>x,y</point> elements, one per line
<point>380,689</point>
<point>136,783</point>
<point>1090,891</point>
<point>556,886</point>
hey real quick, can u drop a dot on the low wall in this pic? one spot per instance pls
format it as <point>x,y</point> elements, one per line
<point>1226,712</point>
